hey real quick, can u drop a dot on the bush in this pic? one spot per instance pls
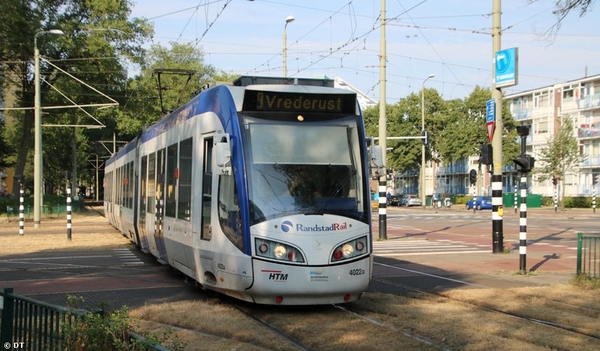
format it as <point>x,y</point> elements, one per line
<point>578,202</point>
<point>51,203</point>
<point>98,330</point>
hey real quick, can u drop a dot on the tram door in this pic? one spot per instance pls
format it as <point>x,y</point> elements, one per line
<point>159,212</point>
<point>142,203</point>
<point>207,186</point>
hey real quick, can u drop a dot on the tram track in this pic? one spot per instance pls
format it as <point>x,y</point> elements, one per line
<point>518,316</point>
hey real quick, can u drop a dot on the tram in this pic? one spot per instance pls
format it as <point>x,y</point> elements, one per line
<point>256,189</point>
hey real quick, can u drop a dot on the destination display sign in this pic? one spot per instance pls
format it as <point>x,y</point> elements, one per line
<point>299,102</point>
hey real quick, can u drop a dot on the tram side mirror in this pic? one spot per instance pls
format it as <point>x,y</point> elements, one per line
<point>223,153</point>
<point>375,160</point>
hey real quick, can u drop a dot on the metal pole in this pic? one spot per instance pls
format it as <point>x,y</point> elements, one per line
<point>37,156</point>
<point>556,197</point>
<point>382,128</point>
<point>21,210</point>
<point>515,200</point>
<point>289,19</point>
<point>497,212</point>
<point>422,173</point>
<point>68,211</point>
<point>523,226</point>
<point>594,199</point>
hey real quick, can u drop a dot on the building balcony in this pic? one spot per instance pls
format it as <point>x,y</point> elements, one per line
<point>591,161</point>
<point>588,131</point>
<point>521,114</point>
<point>589,102</point>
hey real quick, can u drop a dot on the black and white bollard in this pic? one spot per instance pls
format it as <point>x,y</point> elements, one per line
<point>68,213</point>
<point>523,227</point>
<point>516,197</point>
<point>21,212</point>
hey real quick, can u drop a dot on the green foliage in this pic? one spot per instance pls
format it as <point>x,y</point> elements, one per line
<point>578,202</point>
<point>560,154</point>
<point>457,128</point>
<point>98,330</point>
<point>585,282</point>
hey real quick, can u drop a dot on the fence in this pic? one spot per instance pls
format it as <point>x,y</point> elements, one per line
<point>55,211</point>
<point>588,255</point>
<point>28,324</point>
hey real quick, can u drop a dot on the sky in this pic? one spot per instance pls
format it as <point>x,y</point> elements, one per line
<point>341,38</point>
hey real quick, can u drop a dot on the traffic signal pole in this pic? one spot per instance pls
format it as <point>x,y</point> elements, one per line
<point>497,210</point>
<point>382,129</point>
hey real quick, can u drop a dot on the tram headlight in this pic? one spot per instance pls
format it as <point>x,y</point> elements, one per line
<point>277,251</point>
<point>347,250</point>
<point>350,249</point>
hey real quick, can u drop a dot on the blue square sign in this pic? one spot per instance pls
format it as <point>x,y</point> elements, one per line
<point>490,111</point>
<point>507,63</point>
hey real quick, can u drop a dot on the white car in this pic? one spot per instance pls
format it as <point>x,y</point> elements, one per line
<point>412,200</point>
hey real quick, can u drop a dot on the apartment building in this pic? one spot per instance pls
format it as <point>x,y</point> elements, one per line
<point>543,109</point>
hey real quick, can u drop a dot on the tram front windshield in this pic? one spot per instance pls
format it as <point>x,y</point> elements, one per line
<point>303,168</point>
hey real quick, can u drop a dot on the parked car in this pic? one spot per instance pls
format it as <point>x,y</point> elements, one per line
<point>395,200</point>
<point>412,200</point>
<point>482,203</point>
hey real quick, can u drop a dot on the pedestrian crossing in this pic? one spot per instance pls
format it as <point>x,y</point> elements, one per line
<point>399,247</point>
<point>450,217</point>
<point>126,257</point>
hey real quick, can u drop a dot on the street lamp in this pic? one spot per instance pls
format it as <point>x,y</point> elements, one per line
<point>422,174</point>
<point>289,19</point>
<point>37,159</point>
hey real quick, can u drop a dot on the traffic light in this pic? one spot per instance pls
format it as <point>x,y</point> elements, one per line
<point>554,180</point>
<point>425,139</point>
<point>524,163</point>
<point>473,177</point>
<point>486,154</point>
<point>595,179</point>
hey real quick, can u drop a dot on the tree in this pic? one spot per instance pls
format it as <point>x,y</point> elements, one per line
<point>90,52</point>
<point>560,154</point>
<point>182,74</point>
<point>564,7</point>
<point>457,129</point>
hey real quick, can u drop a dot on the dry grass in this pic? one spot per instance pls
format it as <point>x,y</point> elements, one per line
<point>419,322</point>
<point>89,232</point>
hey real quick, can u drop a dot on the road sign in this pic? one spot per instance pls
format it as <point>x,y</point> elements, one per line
<point>490,111</point>
<point>507,63</point>
<point>490,118</point>
<point>491,127</point>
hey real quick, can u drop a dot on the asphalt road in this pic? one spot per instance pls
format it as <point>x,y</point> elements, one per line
<point>431,250</point>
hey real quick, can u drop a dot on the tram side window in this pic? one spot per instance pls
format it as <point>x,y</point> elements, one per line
<point>108,187</point>
<point>171,199</point>
<point>151,190</point>
<point>119,186</point>
<point>185,179</point>
<point>125,184</point>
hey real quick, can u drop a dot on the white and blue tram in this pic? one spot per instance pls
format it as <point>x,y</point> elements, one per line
<point>256,190</point>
